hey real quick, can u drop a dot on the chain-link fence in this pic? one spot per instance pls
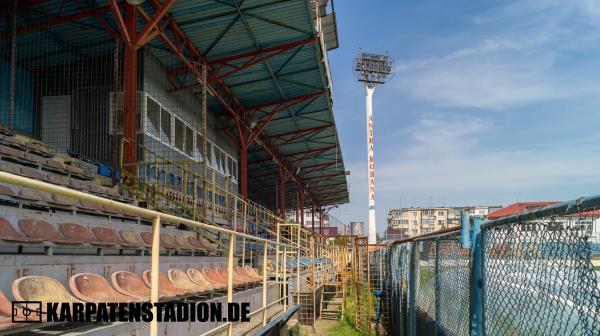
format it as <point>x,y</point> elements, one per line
<point>527,274</point>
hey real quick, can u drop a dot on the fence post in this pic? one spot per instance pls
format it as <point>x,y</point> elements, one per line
<point>154,269</point>
<point>412,291</point>
<point>264,284</point>
<point>438,330</point>
<point>230,262</point>
<point>476,304</point>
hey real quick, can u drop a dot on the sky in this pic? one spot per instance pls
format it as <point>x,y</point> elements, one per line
<point>491,102</point>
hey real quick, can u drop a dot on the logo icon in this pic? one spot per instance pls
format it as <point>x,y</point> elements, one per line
<point>27,311</point>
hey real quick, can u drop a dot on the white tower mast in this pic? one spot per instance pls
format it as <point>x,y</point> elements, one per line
<point>372,70</point>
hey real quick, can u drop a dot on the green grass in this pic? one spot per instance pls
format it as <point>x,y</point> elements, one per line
<point>345,325</point>
<point>597,268</point>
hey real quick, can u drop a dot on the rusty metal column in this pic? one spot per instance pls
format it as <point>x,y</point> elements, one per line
<point>312,210</point>
<point>321,220</point>
<point>130,91</point>
<point>244,171</point>
<point>301,206</point>
<point>281,192</point>
<point>154,266</point>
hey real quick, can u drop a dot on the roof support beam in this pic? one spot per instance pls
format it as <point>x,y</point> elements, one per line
<point>221,92</point>
<point>250,59</point>
<point>305,154</point>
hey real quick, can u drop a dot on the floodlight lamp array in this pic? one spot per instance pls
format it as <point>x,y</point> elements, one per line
<point>373,69</point>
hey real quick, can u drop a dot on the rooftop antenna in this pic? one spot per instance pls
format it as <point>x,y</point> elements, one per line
<point>372,69</point>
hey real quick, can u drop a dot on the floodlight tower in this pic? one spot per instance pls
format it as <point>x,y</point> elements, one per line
<point>372,69</point>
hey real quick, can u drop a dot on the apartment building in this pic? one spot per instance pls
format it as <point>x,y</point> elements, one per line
<point>416,221</point>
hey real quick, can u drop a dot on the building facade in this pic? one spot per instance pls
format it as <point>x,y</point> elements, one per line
<point>416,221</point>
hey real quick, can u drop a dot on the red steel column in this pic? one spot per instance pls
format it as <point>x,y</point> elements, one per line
<point>312,210</point>
<point>130,91</point>
<point>320,220</point>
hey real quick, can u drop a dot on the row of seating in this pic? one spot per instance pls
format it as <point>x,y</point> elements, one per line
<point>62,180</point>
<point>39,231</point>
<point>126,287</point>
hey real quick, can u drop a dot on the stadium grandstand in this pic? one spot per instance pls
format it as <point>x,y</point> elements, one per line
<point>150,150</point>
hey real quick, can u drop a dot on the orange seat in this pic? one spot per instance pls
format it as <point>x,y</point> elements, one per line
<point>183,243</point>
<point>109,236</point>
<point>40,229</point>
<point>94,288</point>
<point>55,164</point>
<point>166,241</point>
<point>6,314</point>
<point>180,279</point>
<point>222,271</point>
<point>164,285</point>
<point>8,233</point>
<point>41,288</point>
<point>80,233</point>
<point>129,284</point>
<point>245,275</point>
<point>4,190</point>
<point>10,167</point>
<point>33,173</point>
<point>198,278</point>
<point>212,276</point>
<point>133,238</point>
<point>62,200</point>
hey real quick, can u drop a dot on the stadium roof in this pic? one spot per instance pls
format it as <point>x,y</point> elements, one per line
<point>268,54</point>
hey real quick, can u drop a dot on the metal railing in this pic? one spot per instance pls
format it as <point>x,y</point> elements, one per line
<point>527,274</point>
<point>302,246</point>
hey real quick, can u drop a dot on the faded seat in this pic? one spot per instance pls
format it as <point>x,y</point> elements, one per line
<point>4,190</point>
<point>180,279</point>
<point>133,238</point>
<point>30,195</point>
<point>184,244</point>
<point>73,169</point>
<point>222,272</point>
<point>94,288</point>
<point>40,229</point>
<point>55,164</point>
<point>8,233</point>
<point>243,272</point>
<point>166,241</point>
<point>6,314</point>
<point>128,283</point>
<point>208,245</point>
<point>164,285</point>
<point>109,236</point>
<point>211,275</point>
<point>9,151</point>
<point>10,167</point>
<point>77,184</point>
<point>80,233</point>
<point>34,158</point>
<point>57,179</point>
<point>41,288</point>
<point>198,278</point>
<point>252,271</point>
<point>62,200</point>
<point>97,189</point>
<point>90,206</point>
<point>33,173</point>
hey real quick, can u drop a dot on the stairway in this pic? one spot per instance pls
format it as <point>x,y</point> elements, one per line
<point>331,298</point>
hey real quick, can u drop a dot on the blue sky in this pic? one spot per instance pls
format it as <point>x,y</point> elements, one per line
<point>492,102</point>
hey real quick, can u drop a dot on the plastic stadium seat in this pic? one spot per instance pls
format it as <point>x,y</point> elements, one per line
<point>244,272</point>
<point>55,164</point>
<point>4,190</point>
<point>94,288</point>
<point>97,189</point>
<point>208,245</point>
<point>184,244</point>
<point>133,238</point>
<point>74,169</point>
<point>57,179</point>
<point>130,284</point>
<point>196,243</point>
<point>29,195</point>
<point>81,233</point>
<point>8,233</point>
<point>166,241</point>
<point>41,288</point>
<point>11,152</point>
<point>109,236</point>
<point>180,279</point>
<point>78,184</point>
<point>40,229</point>
<point>10,167</point>
<point>222,272</point>
<point>252,271</point>
<point>62,200</point>
<point>6,313</point>
<point>211,275</point>
<point>34,158</point>
<point>33,173</point>
<point>90,206</point>
<point>164,285</point>
<point>198,278</point>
